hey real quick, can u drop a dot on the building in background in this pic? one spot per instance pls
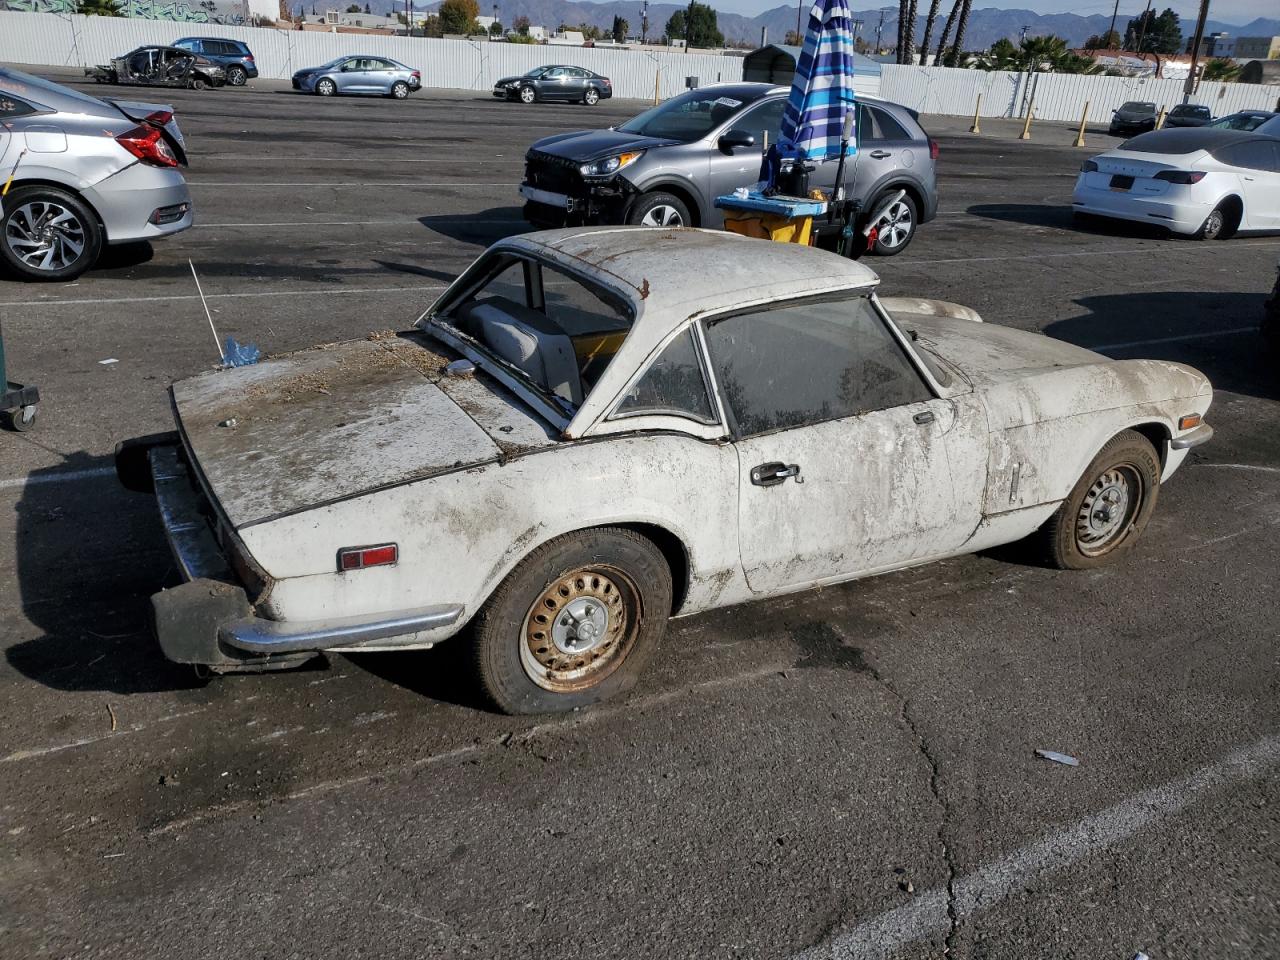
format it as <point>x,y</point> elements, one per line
<point>1257,48</point>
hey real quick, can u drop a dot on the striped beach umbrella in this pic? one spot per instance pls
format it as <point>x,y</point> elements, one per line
<point>822,90</point>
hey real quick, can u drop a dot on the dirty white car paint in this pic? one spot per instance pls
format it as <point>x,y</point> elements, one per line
<point>473,477</point>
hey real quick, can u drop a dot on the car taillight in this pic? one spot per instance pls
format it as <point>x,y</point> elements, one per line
<point>417,74</point>
<point>160,117</point>
<point>933,149</point>
<point>357,558</point>
<point>1089,166</point>
<point>148,145</point>
<point>249,57</point>
<point>1180,176</point>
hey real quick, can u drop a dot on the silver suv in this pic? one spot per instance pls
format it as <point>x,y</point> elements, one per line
<point>666,166</point>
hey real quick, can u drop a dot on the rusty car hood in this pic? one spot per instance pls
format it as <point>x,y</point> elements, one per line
<point>333,422</point>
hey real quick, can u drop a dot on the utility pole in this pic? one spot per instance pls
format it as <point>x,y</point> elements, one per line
<point>688,27</point>
<point>1114,13</point>
<point>1022,35</point>
<point>799,35</point>
<point>879,30</point>
<point>1195,51</point>
<point>1142,30</point>
<point>857,28</point>
<point>644,22</point>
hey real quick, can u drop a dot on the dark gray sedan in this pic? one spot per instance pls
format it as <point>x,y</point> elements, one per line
<point>667,166</point>
<point>556,82</point>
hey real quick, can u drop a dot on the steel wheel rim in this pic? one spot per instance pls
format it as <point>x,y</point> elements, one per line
<point>898,225</point>
<point>663,215</point>
<point>400,91</point>
<point>1108,510</point>
<point>579,629</point>
<point>45,235</point>
<point>527,95</point>
<point>326,88</point>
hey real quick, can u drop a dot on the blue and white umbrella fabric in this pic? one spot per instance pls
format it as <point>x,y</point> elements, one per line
<point>822,90</point>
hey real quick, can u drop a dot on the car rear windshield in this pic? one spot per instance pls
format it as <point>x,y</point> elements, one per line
<point>1241,121</point>
<point>690,116</point>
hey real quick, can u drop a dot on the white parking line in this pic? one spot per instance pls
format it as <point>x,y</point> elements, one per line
<point>66,476</point>
<point>884,936</point>
<point>1105,252</point>
<point>423,222</point>
<point>321,292</point>
<point>1208,335</point>
<point>262,158</point>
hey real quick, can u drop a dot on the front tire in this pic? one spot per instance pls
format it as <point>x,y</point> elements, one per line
<point>659,209</point>
<point>399,90</point>
<point>896,232</point>
<point>326,87</point>
<point>1109,508</point>
<point>575,623</point>
<point>47,233</point>
<point>528,95</point>
<point>237,76</point>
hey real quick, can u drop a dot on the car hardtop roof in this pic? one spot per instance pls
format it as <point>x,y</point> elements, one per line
<point>1184,140</point>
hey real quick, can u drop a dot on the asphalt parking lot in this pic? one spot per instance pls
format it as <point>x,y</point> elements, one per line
<point>844,773</point>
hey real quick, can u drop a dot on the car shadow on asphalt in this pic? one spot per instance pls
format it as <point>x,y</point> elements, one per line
<point>89,556</point>
<point>1062,217</point>
<point>1217,333</point>
<point>480,229</point>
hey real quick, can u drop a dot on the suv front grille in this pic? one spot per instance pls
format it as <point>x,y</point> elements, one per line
<point>556,174</point>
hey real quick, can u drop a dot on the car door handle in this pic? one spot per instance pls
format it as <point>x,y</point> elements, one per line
<point>772,474</point>
<point>923,417</point>
<point>881,154</point>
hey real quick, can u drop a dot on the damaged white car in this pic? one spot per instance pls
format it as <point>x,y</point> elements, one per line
<point>593,431</point>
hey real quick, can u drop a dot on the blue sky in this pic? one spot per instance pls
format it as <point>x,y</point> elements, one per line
<point>1227,11</point>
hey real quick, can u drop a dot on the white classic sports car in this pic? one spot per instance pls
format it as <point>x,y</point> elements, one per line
<point>593,431</point>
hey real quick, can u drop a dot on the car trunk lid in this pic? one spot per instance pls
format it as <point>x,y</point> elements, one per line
<point>334,422</point>
<point>157,115</point>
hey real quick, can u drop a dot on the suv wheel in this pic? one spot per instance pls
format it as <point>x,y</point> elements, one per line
<point>48,234</point>
<point>237,76</point>
<point>897,228</point>
<point>659,210</point>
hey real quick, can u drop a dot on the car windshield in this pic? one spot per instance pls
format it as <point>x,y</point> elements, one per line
<point>1135,106</point>
<point>1189,109</point>
<point>537,72</point>
<point>1240,121</point>
<point>690,116</point>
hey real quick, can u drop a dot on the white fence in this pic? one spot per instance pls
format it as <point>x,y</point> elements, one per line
<point>1058,96</point>
<point>76,41</point>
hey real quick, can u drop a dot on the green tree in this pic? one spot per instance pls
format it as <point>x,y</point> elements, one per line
<point>928,30</point>
<point>99,8</point>
<point>1110,40</point>
<point>1221,68</point>
<point>1150,32</point>
<point>459,16</point>
<point>956,53</point>
<point>520,38</point>
<point>495,29</point>
<point>1037,55</point>
<point>431,26</point>
<point>522,25</point>
<point>620,29</point>
<point>703,29</point>
<point>354,8</point>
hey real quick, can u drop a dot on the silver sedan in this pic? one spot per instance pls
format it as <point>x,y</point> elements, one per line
<point>360,74</point>
<point>79,173</point>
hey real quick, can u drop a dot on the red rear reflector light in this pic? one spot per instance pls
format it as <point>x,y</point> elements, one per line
<point>1189,421</point>
<point>933,149</point>
<point>249,57</point>
<point>357,558</point>
<point>160,117</point>
<point>148,145</point>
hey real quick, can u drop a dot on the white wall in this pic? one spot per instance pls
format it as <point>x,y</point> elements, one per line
<point>1058,96</point>
<point>70,40</point>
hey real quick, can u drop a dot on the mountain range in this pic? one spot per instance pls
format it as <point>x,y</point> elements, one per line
<point>985,26</point>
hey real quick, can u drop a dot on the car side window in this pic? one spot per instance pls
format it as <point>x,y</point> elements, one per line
<point>556,73</point>
<point>889,128</point>
<point>1252,155</point>
<point>764,116</point>
<point>802,363</point>
<point>674,385</point>
<point>11,107</point>
<point>384,65</point>
<point>195,46</point>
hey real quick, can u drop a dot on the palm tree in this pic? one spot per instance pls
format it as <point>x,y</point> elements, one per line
<point>1036,55</point>
<point>1221,69</point>
<point>902,31</point>
<point>946,31</point>
<point>928,29</point>
<point>908,53</point>
<point>957,49</point>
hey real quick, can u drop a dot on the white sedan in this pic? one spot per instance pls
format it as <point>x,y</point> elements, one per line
<point>593,431</point>
<point>1197,181</point>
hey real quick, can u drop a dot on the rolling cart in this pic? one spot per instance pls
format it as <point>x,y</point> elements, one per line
<point>18,403</point>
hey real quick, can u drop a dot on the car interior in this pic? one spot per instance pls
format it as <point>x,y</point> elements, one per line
<point>552,327</point>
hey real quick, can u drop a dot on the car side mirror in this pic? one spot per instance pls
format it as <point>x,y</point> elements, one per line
<point>736,138</point>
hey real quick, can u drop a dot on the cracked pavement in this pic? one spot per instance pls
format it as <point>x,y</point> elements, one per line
<point>784,772</point>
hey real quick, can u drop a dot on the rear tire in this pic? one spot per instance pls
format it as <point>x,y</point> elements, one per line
<point>576,622</point>
<point>1214,226</point>
<point>399,90</point>
<point>326,87</point>
<point>237,76</point>
<point>39,220</point>
<point>199,83</point>
<point>1109,507</point>
<point>591,97</point>
<point>659,209</point>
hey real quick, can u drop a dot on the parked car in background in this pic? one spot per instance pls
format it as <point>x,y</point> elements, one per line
<point>555,82</point>
<point>1252,121</point>
<point>1271,318</point>
<point>721,420</point>
<point>1136,116</point>
<point>666,166</point>
<point>359,74</point>
<point>232,55</point>
<point>1188,115</point>
<point>160,66</point>
<point>1204,182</point>
<point>86,173</point>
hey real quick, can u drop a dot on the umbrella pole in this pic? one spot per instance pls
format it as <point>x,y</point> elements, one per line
<point>837,195</point>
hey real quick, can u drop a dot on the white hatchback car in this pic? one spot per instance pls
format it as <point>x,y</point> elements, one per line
<point>595,430</point>
<point>1198,181</point>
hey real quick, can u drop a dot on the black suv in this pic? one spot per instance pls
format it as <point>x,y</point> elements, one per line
<point>232,55</point>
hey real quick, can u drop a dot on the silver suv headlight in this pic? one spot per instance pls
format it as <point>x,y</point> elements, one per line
<point>609,165</point>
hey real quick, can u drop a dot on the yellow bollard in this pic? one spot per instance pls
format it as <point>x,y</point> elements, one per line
<point>657,78</point>
<point>1160,119</point>
<point>1083,117</point>
<point>1026,127</point>
<point>976,110</point>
